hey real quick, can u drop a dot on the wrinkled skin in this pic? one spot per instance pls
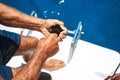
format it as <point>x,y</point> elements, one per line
<point>41,49</point>
<point>14,18</point>
<point>46,47</point>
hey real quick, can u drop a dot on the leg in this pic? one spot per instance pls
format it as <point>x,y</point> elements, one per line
<point>27,47</point>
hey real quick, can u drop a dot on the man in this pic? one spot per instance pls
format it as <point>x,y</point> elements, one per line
<point>11,43</point>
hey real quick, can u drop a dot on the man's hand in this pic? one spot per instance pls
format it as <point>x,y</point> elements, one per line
<point>49,44</point>
<point>51,22</point>
<point>13,18</point>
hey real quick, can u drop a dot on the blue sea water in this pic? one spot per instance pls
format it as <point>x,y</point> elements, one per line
<point>100,18</point>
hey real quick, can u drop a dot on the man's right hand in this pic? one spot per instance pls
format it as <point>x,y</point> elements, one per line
<point>52,22</point>
<point>49,44</point>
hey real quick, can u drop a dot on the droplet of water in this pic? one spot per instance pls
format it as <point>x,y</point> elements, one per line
<point>62,1</point>
<point>58,13</point>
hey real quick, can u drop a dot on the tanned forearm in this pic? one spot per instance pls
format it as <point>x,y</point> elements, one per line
<point>47,47</point>
<point>11,17</point>
<point>31,70</point>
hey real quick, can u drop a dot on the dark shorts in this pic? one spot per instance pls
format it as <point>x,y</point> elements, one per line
<point>5,72</point>
<point>9,43</point>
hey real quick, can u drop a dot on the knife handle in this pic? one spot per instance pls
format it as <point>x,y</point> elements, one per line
<point>56,29</point>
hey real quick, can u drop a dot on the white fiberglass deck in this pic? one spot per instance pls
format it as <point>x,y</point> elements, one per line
<point>89,62</point>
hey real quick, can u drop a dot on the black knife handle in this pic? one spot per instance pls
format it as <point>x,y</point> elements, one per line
<point>55,29</point>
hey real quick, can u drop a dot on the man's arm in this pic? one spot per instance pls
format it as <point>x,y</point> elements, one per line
<point>47,47</point>
<point>11,17</point>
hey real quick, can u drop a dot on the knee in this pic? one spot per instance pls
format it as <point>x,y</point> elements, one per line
<point>28,42</point>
